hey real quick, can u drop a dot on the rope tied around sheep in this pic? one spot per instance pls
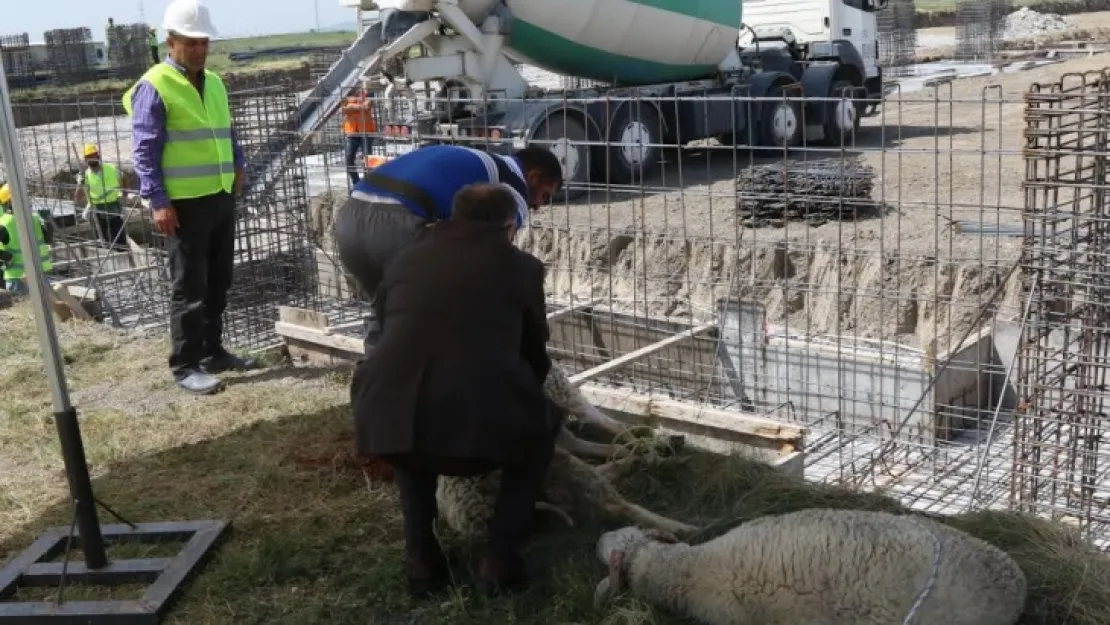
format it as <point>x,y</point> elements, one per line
<point>928,589</point>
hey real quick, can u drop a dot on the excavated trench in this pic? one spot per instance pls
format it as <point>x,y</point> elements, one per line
<point>813,290</point>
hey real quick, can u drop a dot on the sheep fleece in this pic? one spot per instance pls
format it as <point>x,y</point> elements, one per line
<point>829,567</point>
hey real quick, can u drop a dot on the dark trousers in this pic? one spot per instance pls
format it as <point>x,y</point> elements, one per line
<point>417,475</point>
<point>154,55</point>
<point>368,236</point>
<point>201,258</point>
<point>356,144</point>
<point>109,222</point>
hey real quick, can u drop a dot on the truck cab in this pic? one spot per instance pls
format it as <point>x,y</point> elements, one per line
<point>844,31</point>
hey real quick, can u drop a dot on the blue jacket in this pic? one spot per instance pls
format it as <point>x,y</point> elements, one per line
<point>441,170</point>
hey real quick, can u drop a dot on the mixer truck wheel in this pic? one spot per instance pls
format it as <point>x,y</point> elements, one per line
<point>635,136</point>
<point>780,120</point>
<point>842,116</point>
<point>565,136</point>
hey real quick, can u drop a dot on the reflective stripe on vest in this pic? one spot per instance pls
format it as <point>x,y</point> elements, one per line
<point>197,159</point>
<point>104,186</point>
<point>13,269</point>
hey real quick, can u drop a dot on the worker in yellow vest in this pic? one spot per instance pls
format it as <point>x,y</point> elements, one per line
<point>190,169</point>
<point>103,185</point>
<point>11,253</point>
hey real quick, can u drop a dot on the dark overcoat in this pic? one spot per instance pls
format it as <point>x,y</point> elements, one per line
<point>458,371</point>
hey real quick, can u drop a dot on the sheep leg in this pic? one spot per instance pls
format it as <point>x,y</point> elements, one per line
<point>558,388</point>
<point>642,517</point>
<point>543,506</point>
<point>579,447</point>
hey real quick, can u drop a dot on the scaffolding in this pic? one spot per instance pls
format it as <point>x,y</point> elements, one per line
<point>1060,465</point>
<point>71,56</point>
<point>19,65</point>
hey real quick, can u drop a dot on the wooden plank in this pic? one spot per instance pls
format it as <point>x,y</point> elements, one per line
<point>563,312</point>
<point>83,294</point>
<point>62,293</point>
<point>329,349</point>
<point>302,317</point>
<point>639,354</point>
<point>658,407</point>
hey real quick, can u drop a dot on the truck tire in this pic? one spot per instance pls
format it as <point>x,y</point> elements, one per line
<point>565,136</point>
<point>635,144</point>
<point>842,117</point>
<point>780,120</point>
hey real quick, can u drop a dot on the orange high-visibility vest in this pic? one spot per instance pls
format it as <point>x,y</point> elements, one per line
<point>358,122</point>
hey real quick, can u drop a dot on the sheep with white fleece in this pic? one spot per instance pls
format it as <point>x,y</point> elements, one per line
<point>820,567</point>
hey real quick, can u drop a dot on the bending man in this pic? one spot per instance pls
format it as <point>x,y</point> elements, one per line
<point>393,203</point>
<point>455,385</point>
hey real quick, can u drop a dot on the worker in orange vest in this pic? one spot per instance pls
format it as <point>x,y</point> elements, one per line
<point>358,125</point>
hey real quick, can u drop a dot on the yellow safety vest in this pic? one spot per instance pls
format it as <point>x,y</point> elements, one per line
<point>13,268</point>
<point>198,159</point>
<point>104,186</point>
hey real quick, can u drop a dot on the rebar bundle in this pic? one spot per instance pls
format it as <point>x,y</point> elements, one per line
<point>979,27</point>
<point>129,48</point>
<point>1064,357</point>
<point>814,191</point>
<point>897,35</point>
<point>70,54</point>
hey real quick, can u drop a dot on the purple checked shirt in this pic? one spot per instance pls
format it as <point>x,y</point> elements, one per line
<point>148,136</point>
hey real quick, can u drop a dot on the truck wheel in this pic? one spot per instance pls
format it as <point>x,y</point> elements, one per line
<point>780,122</point>
<point>566,138</point>
<point>635,137</point>
<point>842,116</point>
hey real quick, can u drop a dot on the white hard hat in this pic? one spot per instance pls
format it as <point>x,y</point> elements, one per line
<point>189,18</point>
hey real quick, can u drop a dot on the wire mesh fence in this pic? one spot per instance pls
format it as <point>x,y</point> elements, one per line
<point>871,292</point>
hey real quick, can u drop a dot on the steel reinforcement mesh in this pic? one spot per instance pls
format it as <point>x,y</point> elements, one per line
<point>274,262</point>
<point>897,35</point>
<point>1060,467</point>
<point>978,27</point>
<point>15,52</point>
<point>70,54</point>
<point>129,48</point>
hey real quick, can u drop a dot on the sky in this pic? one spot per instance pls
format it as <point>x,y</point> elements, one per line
<point>234,18</point>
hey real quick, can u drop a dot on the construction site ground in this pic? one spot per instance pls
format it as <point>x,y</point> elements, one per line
<point>317,534</point>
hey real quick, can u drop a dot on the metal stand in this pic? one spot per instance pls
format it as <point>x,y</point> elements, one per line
<point>35,567</point>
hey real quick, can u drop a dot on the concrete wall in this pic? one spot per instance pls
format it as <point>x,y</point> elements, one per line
<point>858,383</point>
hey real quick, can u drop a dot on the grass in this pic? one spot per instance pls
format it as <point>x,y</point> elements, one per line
<point>219,61</point>
<point>316,541</point>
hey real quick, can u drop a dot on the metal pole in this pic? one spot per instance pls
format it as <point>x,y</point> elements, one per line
<point>65,416</point>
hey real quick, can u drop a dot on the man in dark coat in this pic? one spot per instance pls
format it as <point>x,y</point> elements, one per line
<point>454,386</point>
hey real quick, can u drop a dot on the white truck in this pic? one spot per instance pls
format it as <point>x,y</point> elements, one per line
<point>674,71</point>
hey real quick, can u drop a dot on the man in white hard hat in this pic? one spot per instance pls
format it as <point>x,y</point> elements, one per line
<point>190,169</point>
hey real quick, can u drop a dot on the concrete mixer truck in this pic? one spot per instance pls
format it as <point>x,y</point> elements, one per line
<point>674,71</point>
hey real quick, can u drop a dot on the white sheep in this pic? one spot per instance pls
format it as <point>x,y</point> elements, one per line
<point>466,504</point>
<point>820,567</point>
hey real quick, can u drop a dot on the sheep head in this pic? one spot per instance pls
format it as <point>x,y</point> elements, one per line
<point>614,548</point>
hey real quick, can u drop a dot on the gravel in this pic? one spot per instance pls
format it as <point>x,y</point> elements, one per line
<point>1025,23</point>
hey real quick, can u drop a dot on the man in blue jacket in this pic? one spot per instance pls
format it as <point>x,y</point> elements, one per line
<point>395,201</point>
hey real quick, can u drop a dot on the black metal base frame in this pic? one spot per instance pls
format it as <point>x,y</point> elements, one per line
<point>165,577</point>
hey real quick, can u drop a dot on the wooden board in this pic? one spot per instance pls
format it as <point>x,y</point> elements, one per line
<point>305,333</point>
<point>307,340</point>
